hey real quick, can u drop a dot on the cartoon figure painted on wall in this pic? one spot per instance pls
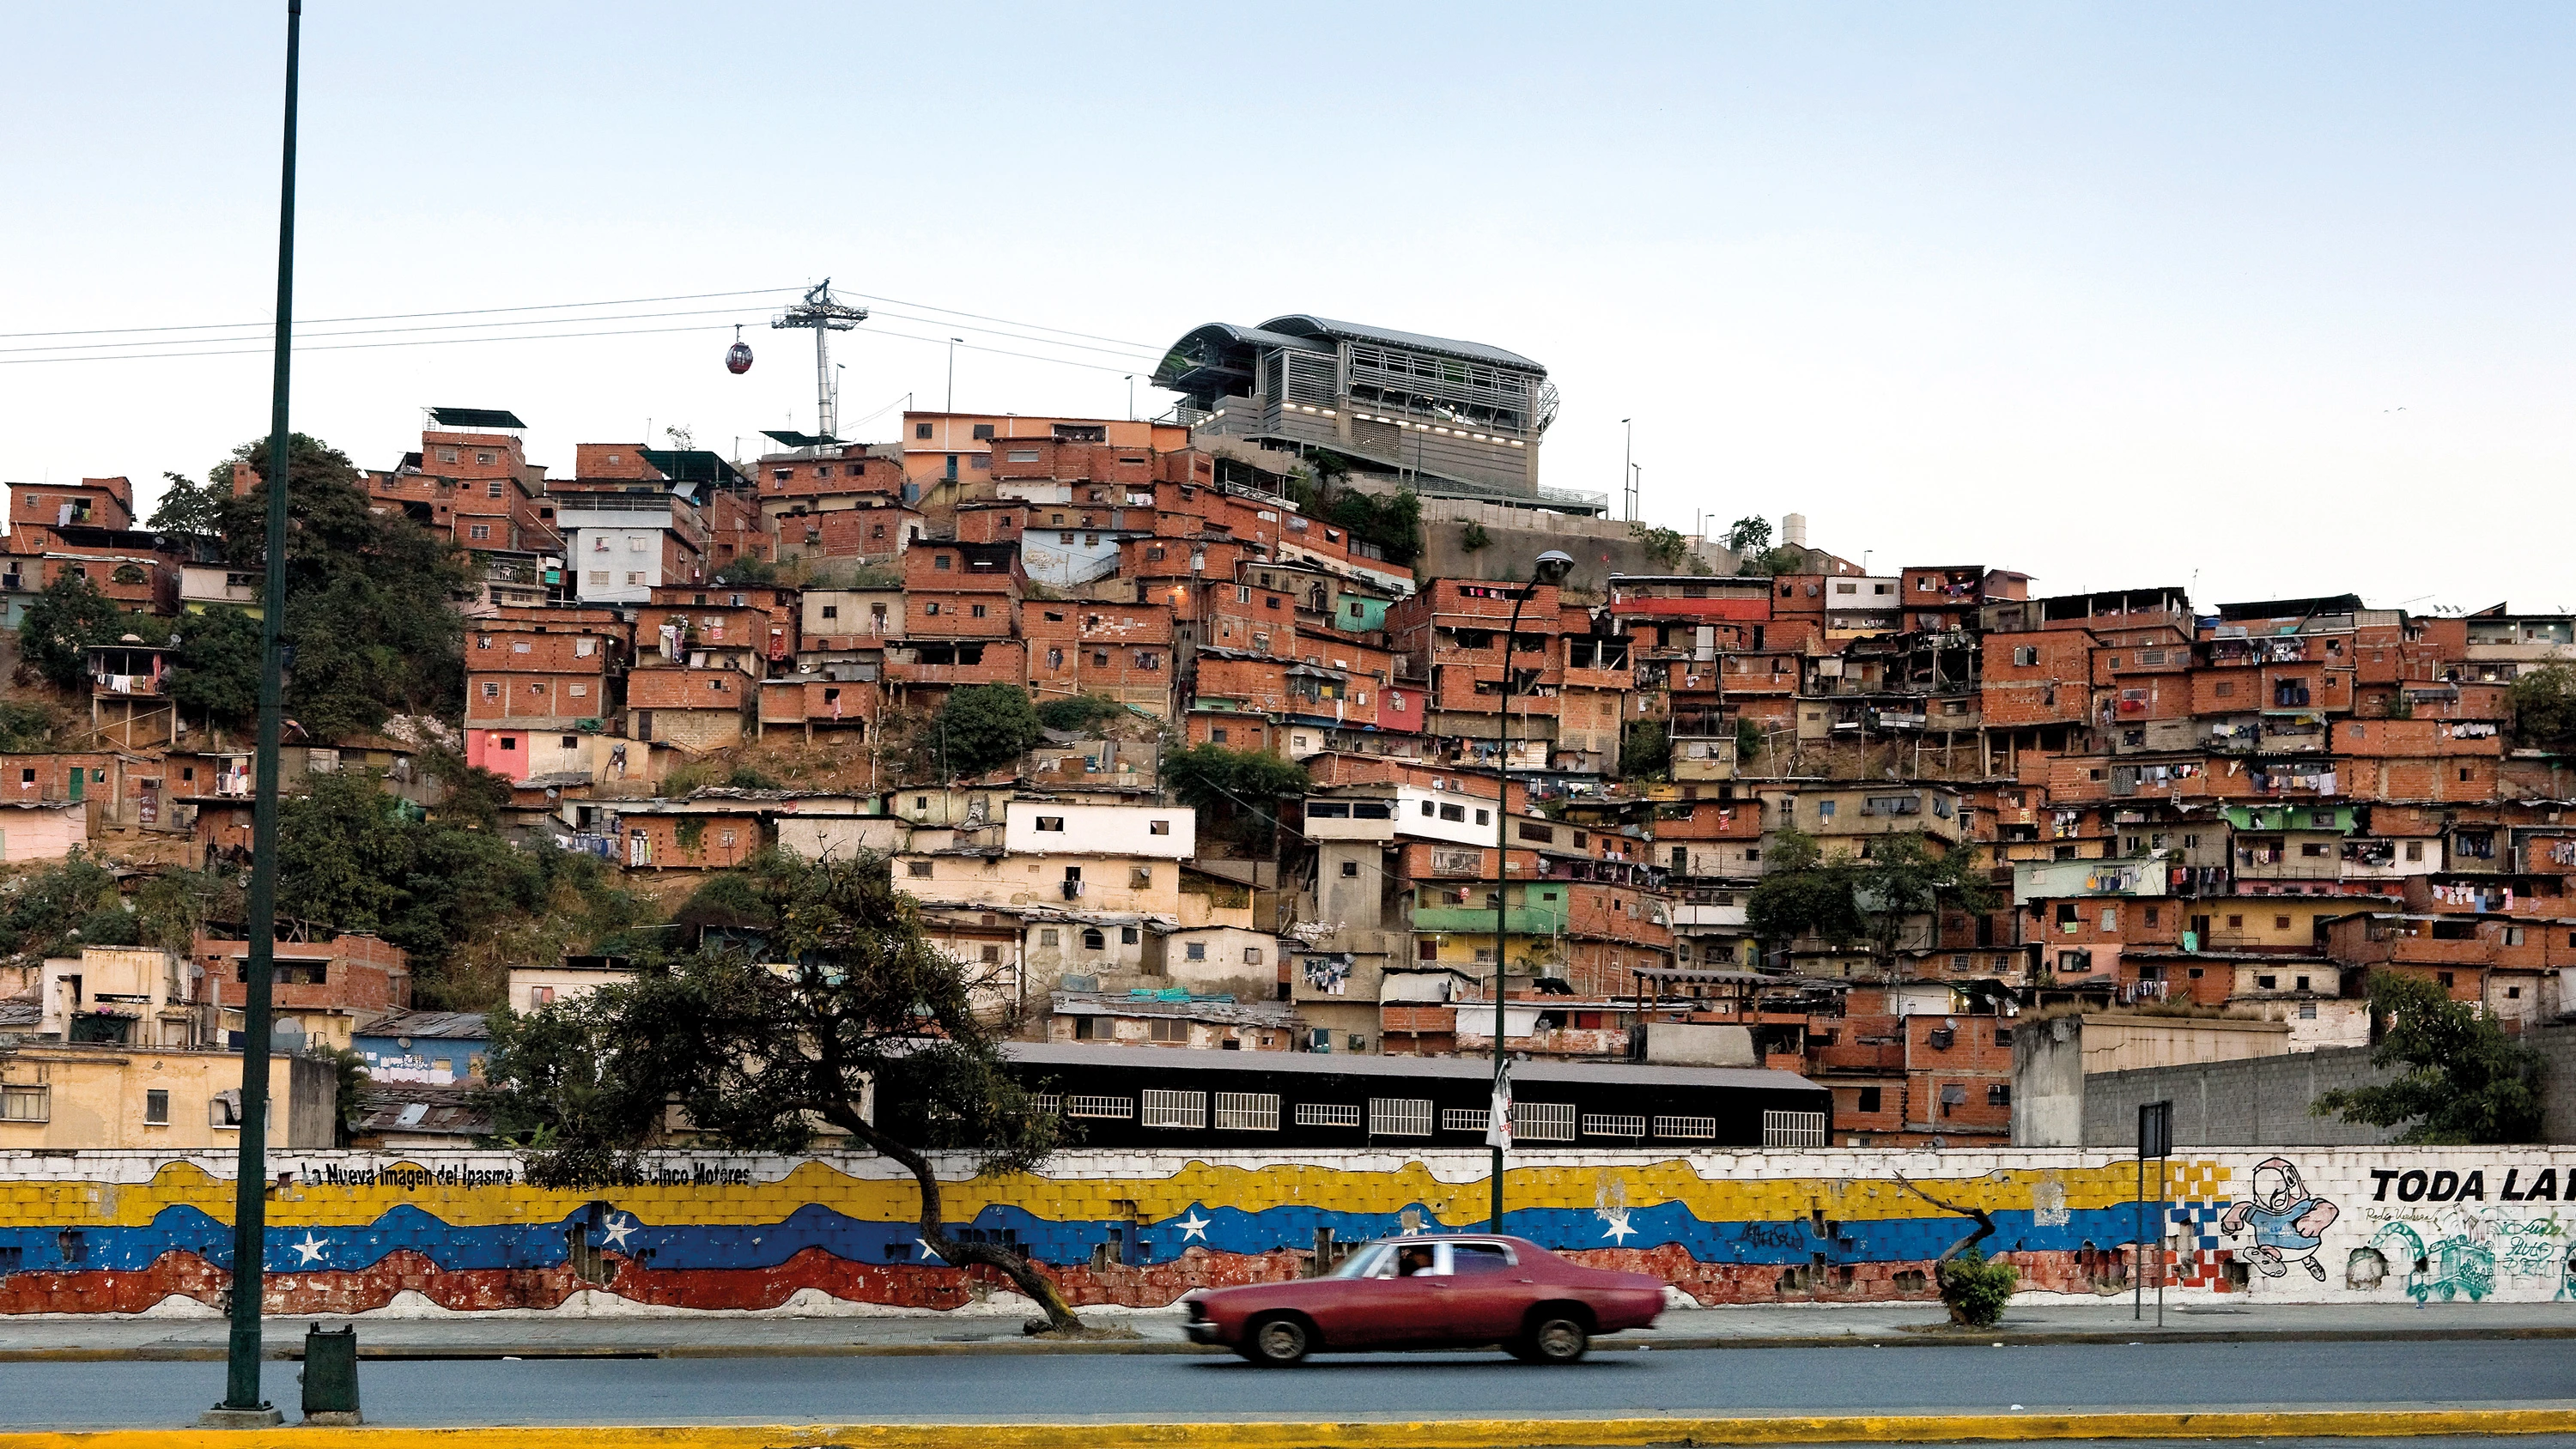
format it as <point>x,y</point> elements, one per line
<point>2286,1222</point>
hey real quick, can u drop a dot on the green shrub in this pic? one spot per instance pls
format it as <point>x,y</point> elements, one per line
<point>1975,1289</point>
<point>1075,713</point>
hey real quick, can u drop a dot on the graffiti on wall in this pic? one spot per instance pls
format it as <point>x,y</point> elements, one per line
<point>2285,1222</point>
<point>356,1232</point>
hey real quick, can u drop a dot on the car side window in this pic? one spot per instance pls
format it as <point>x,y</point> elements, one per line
<point>1469,1259</point>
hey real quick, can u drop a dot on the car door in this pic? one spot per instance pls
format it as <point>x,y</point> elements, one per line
<point>1489,1291</point>
<point>1384,1307</point>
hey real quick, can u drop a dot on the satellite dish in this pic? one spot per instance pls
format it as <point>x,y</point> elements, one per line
<point>738,356</point>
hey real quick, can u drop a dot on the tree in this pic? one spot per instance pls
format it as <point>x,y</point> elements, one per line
<point>1863,900</point>
<point>1237,792</point>
<point>1749,535</point>
<point>63,622</point>
<point>1078,712</point>
<point>754,1055</point>
<point>984,727</point>
<point>1664,544</point>
<point>1645,750</point>
<point>191,507</point>
<point>2544,707</point>
<point>1772,562</point>
<point>218,666</point>
<point>2464,1080</point>
<point>367,594</point>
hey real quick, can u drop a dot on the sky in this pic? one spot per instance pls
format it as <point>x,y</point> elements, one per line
<point>2263,301</point>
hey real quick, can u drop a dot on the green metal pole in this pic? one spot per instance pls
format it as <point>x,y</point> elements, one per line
<point>250,1202</point>
<point>1503,869</point>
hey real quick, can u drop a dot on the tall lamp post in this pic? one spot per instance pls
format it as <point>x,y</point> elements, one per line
<point>1551,568</point>
<point>242,1405</point>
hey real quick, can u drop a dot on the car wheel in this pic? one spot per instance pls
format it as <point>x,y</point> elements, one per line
<point>1279,1342</point>
<point>1555,1338</point>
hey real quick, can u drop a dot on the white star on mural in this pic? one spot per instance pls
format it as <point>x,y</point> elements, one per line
<point>1617,1218</point>
<point>1195,1226</point>
<point>928,1251</point>
<point>619,1230</point>
<point>311,1248</point>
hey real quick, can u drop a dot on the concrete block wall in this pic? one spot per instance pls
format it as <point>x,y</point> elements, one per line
<point>356,1232</point>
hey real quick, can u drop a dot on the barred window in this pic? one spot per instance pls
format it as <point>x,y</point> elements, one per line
<point>1687,1129</point>
<point>1463,1119</point>
<point>1399,1117</point>
<point>1613,1124</point>
<point>1543,1121</point>
<point>1328,1114</point>
<point>1175,1109</point>
<point>1047,1104</point>
<point>1119,1108</point>
<point>1247,1111</point>
<point>1793,1129</point>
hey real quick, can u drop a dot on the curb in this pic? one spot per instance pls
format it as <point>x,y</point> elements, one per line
<point>1373,1434</point>
<point>289,1350</point>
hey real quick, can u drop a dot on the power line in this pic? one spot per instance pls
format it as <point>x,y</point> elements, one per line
<point>361,346</point>
<point>386,331</point>
<point>410,316</point>
<point>980,317</point>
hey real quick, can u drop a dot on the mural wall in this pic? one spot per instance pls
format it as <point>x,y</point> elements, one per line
<point>126,1232</point>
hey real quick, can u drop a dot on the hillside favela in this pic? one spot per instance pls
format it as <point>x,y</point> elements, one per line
<point>1869,739</point>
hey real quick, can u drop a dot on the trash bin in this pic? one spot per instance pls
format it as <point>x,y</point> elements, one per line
<point>331,1375</point>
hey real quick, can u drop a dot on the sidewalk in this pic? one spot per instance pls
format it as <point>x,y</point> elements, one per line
<point>1769,1326</point>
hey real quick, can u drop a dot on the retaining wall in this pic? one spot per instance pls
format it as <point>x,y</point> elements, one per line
<point>355,1232</point>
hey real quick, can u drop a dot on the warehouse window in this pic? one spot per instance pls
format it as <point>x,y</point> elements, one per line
<point>1117,1109</point>
<point>1247,1111</point>
<point>1793,1129</point>
<point>1399,1117</point>
<point>1543,1121</point>
<point>1174,1109</point>
<point>1328,1114</point>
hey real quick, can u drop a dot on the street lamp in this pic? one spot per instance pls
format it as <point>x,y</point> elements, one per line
<point>1550,569</point>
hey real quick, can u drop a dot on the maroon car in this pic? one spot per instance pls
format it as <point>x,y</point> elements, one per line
<point>1445,1291</point>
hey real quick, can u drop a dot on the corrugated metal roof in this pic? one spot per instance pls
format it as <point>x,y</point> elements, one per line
<point>1477,1068</point>
<point>436,1024</point>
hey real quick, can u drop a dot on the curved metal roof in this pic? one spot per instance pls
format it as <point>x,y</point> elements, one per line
<point>1214,354</point>
<point>1301,324</point>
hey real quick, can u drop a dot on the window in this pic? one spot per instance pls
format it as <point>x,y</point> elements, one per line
<point>920,870</point>
<point>224,1109</point>
<point>1140,877</point>
<point>1117,1109</point>
<point>1328,1114</point>
<point>1999,1094</point>
<point>1093,940</point>
<point>1021,455</point>
<point>1051,823</point>
<point>26,1104</point>
<point>1047,936</point>
<point>2026,654</point>
<point>1195,951</point>
<point>1611,1124</point>
<point>1247,1112</point>
<point>1173,1109</point>
<point>921,430</point>
<point>1793,1129</point>
<point>1869,1100</point>
<point>1687,1129</point>
<point>940,562</point>
<point>491,690</point>
<point>976,611</point>
<point>156,1109</point>
<point>1543,1121</point>
<point>1399,1117</point>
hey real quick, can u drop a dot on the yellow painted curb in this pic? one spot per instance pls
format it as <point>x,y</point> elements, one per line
<point>1367,1434</point>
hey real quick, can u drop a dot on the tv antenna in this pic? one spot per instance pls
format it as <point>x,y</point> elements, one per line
<point>825,316</point>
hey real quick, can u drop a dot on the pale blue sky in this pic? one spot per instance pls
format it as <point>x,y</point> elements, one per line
<point>2111,294</point>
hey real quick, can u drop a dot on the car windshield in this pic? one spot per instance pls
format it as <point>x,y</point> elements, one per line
<point>1365,1261</point>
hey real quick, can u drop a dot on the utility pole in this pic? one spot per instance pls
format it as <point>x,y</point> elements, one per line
<point>952,372</point>
<point>1628,464</point>
<point>242,1407</point>
<point>1551,568</point>
<point>823,316</point>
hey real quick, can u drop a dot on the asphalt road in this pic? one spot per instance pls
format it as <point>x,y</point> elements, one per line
<point>1616,1381</point>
